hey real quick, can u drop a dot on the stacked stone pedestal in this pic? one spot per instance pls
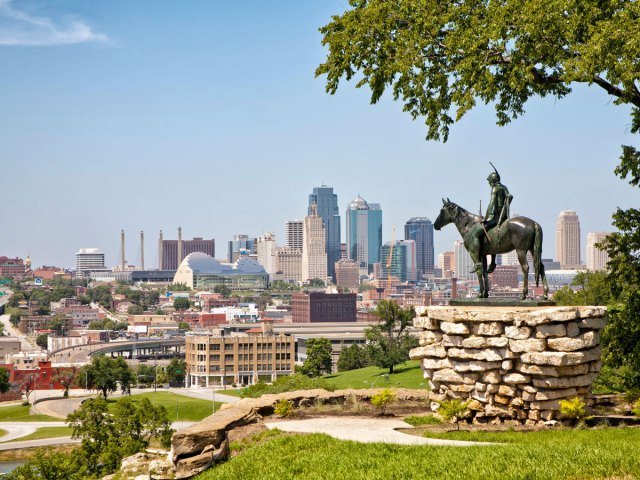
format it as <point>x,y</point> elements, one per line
<point>513,363</point>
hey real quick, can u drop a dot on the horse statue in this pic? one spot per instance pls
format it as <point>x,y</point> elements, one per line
<point>518,233</point>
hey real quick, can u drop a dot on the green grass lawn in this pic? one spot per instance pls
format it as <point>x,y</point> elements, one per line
<point>19,413</point>
<point>232,392</point>
<point>575,454</point>
<point>45,432</point>
<point>189,409</point>
<point>3,432</point>
<point>408,375</point>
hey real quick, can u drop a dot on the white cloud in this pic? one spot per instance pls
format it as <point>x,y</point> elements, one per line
<point>18,28</point>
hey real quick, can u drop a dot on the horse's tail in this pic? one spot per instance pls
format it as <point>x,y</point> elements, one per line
<point>537,252</point>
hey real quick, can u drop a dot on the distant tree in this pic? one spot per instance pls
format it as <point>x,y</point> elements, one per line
<point>223,290</point>
<point>106,374</point>
<point>27,385</point>
<point>41,340</point>
<point>15,317</point>
<point>318,357</point>
<point>181,303</point>
<point>4,380</point>
<point>389,341</point>
<point>176,371</point>
<point>135,310</point>
<point>589,288</point>
<point>66,377</point>
<point>316,282</point>
<point>184,325</point>
<point>179,287</point>
<point>352,358</point>
<point>46,464</point>
<point>58,323</point>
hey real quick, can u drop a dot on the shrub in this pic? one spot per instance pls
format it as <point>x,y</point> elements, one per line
<point>383,399</point>
<point>283,408</point>
<point>453,410</point>
<point>416,420</point>
<point>286,384</point>
<point>573,409</point>
<point>636,408</point>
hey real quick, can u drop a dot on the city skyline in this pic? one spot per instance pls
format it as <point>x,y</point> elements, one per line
<point>93,127</point>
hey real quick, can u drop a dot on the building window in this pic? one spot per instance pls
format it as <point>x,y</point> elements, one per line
<point>215,347</point>
<point>228,346</point>
<point>214,358</point>
<point>228,358</point>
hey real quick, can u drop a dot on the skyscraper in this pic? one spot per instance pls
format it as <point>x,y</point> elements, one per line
<point>293,234</point>
<point>266,248</point>
<point>420,229</point>
<point>463,262</point>
<point>568,240</point>
<point>240,245</point>
<point>87,260</point>
<point>314,254</point>
<point>597,258</point>
<point>172,252</point>
<point>364,232</point>
<point>327,207</point>
<point>399,263</point>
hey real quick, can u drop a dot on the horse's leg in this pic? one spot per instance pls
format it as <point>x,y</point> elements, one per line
<point>524,265</point>
<point>544,282</point>
<point>492,267</point>
<point>485,277</point>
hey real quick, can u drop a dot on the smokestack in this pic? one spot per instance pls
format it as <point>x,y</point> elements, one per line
<point>141,250</point>
<point>160,245</point>
<point>122,249</point>
<point>179,245</point>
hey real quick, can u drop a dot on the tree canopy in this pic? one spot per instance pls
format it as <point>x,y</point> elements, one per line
<point>106,374</point>
<point>440,57</point>
<point>318,357</point>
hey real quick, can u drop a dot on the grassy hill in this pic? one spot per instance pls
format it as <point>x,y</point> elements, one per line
<point>408,375</point>
<point>179,407</point>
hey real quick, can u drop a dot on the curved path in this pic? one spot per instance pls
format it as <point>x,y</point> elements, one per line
<point>366,430</point>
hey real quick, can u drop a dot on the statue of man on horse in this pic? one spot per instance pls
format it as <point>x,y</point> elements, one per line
<point>496,233</point>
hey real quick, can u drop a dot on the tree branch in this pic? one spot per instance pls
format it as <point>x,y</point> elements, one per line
<point>633,98</point>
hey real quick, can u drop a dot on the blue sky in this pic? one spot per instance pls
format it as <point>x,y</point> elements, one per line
<point>206,115</point>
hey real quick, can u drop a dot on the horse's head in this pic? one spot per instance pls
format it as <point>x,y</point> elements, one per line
<point>447,214</point>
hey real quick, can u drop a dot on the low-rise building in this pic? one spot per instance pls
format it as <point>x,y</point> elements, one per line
<point>245,359</point>
<point>323,307</point>
<point>9,346</point>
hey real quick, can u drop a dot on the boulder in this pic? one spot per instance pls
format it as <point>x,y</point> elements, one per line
<point>551,330</point>
<point>428,337</point>
<point>516,378</point>
<point>530,345</point>
<point>517,333</point>
<point>580,342</point>
<point>554,394</point>
<point>454,328</point>
<point>565,382</point>
<point>490,329</point>
<point>452,340</point>
<point>487,354</point>
<point>560,359</point>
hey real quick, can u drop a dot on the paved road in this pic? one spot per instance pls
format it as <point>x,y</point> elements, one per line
<point>9,329</point>
<point>365,430</point>
<point>205,394</point>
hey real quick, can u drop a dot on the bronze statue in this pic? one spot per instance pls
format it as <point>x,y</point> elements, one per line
<point>496,233</point>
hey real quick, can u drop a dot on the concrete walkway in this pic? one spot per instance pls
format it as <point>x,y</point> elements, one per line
<point>365,430</point>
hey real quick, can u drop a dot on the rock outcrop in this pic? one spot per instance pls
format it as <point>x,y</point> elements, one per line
<point>513,363</point>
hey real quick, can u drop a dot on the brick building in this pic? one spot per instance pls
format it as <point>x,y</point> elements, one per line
<point>323,307</point>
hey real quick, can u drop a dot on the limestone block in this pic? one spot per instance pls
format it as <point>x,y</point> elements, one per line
<point>431,364</point>
<point>592,311</point>
<point>551,330</point>
<point>481,387</point>
<point>516,378</point>
<point>434,350</point>
<point>497,342</point>
<point>474,342</point>
<point>501,400</point>
<point>517,333</point>
<point>454,328</point>
<point>530,423</point>
<point>428,337</point>
<point>452,340</point>
<point>517,402</point>
<point>480,396</point>
<point>491,387</point>
<point>528,396</point>
<point>426,323</point>
<point>447,375</point>
<point>491,377</point>
<point>434,406</point>
<point>572,329</point>
<point>534,414</point>
<point>487,354</point>
<point>547,415</point>
<point>552,314</point>
<point>475,406</point>
<point>560,359</point>
<point>437,398</point>
<point>554,394</point>
<point>507,391</point>
<point>570,371</point>
<point>472,314</point>
<point>507,364</point>
<point>546,405</point>
<point>595,366</point>
<point>565,344</point>
<point>565,382</point>
<point>474,366</point>
<point>593,323</point>
<point>496,411</point>
<point>462,388</point>
<point>491,329</point>
<point>531,345</point>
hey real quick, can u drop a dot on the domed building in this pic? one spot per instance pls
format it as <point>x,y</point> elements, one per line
<point>203,272</point>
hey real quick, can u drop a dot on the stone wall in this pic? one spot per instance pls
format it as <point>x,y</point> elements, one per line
<point>513,363</point>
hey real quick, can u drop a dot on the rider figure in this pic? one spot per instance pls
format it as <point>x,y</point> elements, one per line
<point>497,212</point>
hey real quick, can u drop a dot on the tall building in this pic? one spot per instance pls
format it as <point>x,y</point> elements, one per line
<point>463,263</point>
<point>347,273</point>
<point>289,264</point>
<point>399,262</point>
<point>364,232</point>
<point>293,234</point>
<point>568,240</point>
<point>239,246</point>
<point>172,252</point>
<point>327,207</point>
<point>87,260</point>
<point>447,263</point>
<point>420,229</point>
<point>314,253</point>
<point>266,247</point>
<point>597,258</point>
